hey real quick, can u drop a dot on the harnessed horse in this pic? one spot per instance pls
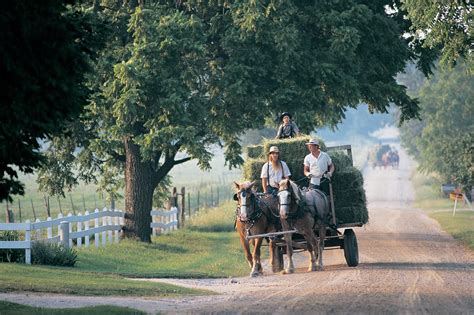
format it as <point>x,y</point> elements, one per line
<point>305,212</point>
<point>254,216</point>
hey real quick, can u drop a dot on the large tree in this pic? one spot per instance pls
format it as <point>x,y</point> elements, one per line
<point>445,27</point>
<point>43,57</point>
<point>179,76</point>
<point>443,142</point>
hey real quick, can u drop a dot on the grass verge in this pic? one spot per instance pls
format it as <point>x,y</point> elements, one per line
<point>7,308</point>
<point>209,248</point>
<point>440,208</point>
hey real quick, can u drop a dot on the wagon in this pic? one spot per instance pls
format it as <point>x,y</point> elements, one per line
<point>345,240</point>
<point>341,236</point>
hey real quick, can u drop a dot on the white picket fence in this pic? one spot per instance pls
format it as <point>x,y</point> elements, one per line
<point>105,226</point>
<point>164,221</point>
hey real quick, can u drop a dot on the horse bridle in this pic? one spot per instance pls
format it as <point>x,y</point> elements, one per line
<point>291,215</point>
<point>256,214</point>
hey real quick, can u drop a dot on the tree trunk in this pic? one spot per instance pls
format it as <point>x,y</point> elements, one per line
<point>139,187</point>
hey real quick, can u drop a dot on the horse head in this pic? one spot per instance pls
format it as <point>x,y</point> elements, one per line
<point>246,199</point>
<point>285,192</point>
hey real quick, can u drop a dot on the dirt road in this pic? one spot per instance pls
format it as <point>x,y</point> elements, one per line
<point>407,265</point>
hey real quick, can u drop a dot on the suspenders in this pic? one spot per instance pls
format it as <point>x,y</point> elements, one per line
<point>268,172</point>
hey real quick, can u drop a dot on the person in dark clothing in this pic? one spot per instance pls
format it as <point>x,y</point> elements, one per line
<point>288,128</point>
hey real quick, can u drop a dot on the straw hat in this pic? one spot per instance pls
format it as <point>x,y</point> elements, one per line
<point>273,149</point>
<point>313,141</point>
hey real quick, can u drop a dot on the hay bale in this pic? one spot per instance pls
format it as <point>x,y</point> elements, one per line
<point>252,169</point>
<point>348,184</point>
<point>351,214</point>
<point>349,196</point>
<point>291,147</point>
<point>254,151</point>
<point>340,160</point>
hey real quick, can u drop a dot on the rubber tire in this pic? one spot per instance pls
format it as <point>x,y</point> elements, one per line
<point>351,250</point>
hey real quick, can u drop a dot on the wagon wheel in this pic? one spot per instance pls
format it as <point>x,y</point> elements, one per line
<point>277,259</point>
<point>351,250</point>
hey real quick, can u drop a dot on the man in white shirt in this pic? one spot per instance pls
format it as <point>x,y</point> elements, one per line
<point>273,171</point>
<point>316,164</point>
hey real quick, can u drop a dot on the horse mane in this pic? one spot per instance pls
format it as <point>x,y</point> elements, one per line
<point>299,197</point>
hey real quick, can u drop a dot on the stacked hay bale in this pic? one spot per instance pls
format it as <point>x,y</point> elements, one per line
<point>348,184</point>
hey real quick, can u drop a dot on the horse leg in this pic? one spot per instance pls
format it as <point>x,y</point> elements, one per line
<point>290,268</point>
<point>246,247</point>
<point>257,266</point>
<point>322,236</point>
<point>307,224</point>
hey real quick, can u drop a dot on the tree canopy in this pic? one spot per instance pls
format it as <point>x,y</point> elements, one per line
<point>178,76</point>
<point>443,142</point>
<point>445,27</point>
<point>43,57</point>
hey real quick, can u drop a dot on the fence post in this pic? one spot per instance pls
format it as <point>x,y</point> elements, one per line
<point>153,220</point>
<point>86,228</point>
<point>198,201</point>
<point>104,233</point>
<point>109,225</point>
<point>96,225</point>
<point>28,239</point>
<point>116,222</point>
<point>122,222</point>
<point>70,229</point>
<point>175,219</point>
<point>60,215</point>
<point>79,229</point>
<point>189,204</point>
<point>64,233</point>
<point>49,229</point>
<point>183,201</point>
<point>38,235</point>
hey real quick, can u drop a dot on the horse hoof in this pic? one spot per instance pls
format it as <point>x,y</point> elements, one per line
<point>313,268</point>
<point>255,274</point>
<point>288,271</point>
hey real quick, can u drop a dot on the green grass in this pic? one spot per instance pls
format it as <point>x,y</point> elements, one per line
<point>461,226</point>
<point>440,208</point>
<point>7,308</point>
<point>20,277</point>
<point>208,248</point>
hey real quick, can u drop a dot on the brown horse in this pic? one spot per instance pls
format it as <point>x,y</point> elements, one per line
<point>303,211</point>
<point>255,216</point>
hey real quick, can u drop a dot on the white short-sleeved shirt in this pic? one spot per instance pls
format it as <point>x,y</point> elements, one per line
<point>317,166</point>
<point>275,177</point>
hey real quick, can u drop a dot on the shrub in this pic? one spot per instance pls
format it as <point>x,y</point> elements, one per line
<point>8,254</point>
<point>43,253</point>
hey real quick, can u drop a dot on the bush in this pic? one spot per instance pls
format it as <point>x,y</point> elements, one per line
<point>43,253</point>
<point>11,255</point>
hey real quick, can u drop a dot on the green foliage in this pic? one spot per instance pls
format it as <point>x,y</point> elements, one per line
<point>443,142</point>
<point>43,86</point>
<point>11,255</point>
<point>443,26</point>
<point>43,253</point>
<point>14,308</point>
<point>176,78</point>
